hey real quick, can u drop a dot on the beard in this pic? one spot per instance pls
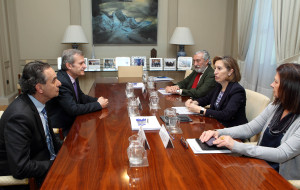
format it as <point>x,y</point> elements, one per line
<point>199,69</point>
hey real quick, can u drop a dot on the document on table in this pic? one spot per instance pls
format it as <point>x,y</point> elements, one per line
<point>202,148</point>
<point>162,79</point>
<point>151,123</point>
<point>183,110</point>
<point>163,92</point>
<point>138,85</point>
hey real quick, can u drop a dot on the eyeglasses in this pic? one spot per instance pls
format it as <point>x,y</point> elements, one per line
<point>184,143</point>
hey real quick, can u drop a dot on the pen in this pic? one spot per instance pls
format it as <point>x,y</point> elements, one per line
<point>171,135</point>
<point>161,89</point>
<point>184,143</point>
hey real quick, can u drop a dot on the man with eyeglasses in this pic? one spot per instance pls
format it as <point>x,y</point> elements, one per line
<point>200,81</point>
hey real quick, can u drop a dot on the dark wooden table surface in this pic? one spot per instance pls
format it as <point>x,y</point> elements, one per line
<point>94,155</point>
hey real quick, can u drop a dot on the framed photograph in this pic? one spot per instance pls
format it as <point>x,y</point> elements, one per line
<point>156,64</point>
<point>122,61</point>
<point>59,63</point>
<point>124,22</point>
<point>109,64</point>
<point>170,64</point>
<point>87,64</point>
<point>94,65</point>
<point>184,63</point>
<point>139,61</point>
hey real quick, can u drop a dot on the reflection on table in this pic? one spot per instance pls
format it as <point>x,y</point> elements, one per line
<point>94,155</point>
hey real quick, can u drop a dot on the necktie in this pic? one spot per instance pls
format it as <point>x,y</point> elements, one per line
<point>48,136</point>
<point>75,89</point>
<point>196,80</point>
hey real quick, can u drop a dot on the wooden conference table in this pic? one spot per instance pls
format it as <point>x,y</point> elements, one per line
<point>94,155</point>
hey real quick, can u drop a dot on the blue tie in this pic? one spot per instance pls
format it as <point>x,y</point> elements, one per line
<point>48,137</point>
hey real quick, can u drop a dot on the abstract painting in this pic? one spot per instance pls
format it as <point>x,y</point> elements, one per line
<point>124,21</point>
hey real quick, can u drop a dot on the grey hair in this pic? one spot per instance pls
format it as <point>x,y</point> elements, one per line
<point>68,57</point>
<point>33,73</point>
<point>206,55</point>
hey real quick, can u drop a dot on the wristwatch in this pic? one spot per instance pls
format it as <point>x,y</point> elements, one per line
<point>202,111</point>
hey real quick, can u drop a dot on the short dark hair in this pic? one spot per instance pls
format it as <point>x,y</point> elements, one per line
<point>33,73</point>
<point>289,87</point>
<point>230,63</point>
<point>68,57</point>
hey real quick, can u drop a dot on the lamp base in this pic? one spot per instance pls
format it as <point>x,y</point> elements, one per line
<point>74,46</point>
<point>181,52</point>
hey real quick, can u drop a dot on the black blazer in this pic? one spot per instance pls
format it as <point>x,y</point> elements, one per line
<point>231,110</point>
<point>64,108</point>
<point>23,147</point>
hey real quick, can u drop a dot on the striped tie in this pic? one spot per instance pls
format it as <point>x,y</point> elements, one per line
<point>48,136</point>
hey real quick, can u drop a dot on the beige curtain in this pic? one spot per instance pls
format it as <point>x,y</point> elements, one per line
<point>286,16</point>
<point>245,20</point>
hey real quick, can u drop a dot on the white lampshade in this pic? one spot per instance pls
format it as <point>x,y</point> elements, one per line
<point>182,36</point>
<point>74,35</point>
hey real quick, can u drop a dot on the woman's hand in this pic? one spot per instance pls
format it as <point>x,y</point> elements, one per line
<point>224,141</point>
<point>206,135</point>
<point>188,103</point>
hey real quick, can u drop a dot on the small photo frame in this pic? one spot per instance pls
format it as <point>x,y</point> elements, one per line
<point>94,65</point>
<point>122,61</point>
<point>59,63</point>
<point>139,61</point>
<point>184,63</point>
<point>86,63</point>
<point>156,64</point>
<point>109,64</point>
<point>170,64</point>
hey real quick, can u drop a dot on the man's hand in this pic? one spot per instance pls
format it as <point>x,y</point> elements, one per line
<point>103,102</point>
<point>172,89</point>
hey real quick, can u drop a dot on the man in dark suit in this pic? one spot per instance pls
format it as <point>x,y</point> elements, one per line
<point>71,101</point>
<point>200,81</point>
<point>27,143</point>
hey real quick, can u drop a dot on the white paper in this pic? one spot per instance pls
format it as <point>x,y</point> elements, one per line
<point>138,85</point>
<point>164,136</point>
<point>183,110</point>
<point>163,92</point>
<point>162,79</point>
<point>152,123</point>
<point>197,149</point>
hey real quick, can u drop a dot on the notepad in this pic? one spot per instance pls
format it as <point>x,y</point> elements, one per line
<point>202,148</point>
<point>151,124</point>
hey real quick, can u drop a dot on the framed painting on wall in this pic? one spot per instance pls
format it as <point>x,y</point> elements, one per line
<point>124,21</point>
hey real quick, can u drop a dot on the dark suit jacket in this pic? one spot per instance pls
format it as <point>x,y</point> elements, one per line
<point>231,110</point>
<point>206,83</point>
<point>64,108</point>
<point>23,147</point>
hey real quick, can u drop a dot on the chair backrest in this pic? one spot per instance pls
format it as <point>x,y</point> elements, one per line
<point>255,104</point>
<point>130,71</point>
<point>187,73</point>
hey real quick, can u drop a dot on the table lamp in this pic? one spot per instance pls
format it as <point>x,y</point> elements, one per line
<point>182,36</point>
<point>74,35</point>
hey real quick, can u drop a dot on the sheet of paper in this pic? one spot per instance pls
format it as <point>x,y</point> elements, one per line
<point>197,149</point>
<point>162,79</point>
<point>163,92</point>
<point>183,110</point>
<point>152,123</point>
<point>138,85</point>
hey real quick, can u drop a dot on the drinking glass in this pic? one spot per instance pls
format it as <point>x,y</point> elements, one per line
<point>154,102</point>
<point>174,125</point>
<point>168,113</point>
<point>150,82</point>
<point>136,150</point>
<point>129,90</point>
